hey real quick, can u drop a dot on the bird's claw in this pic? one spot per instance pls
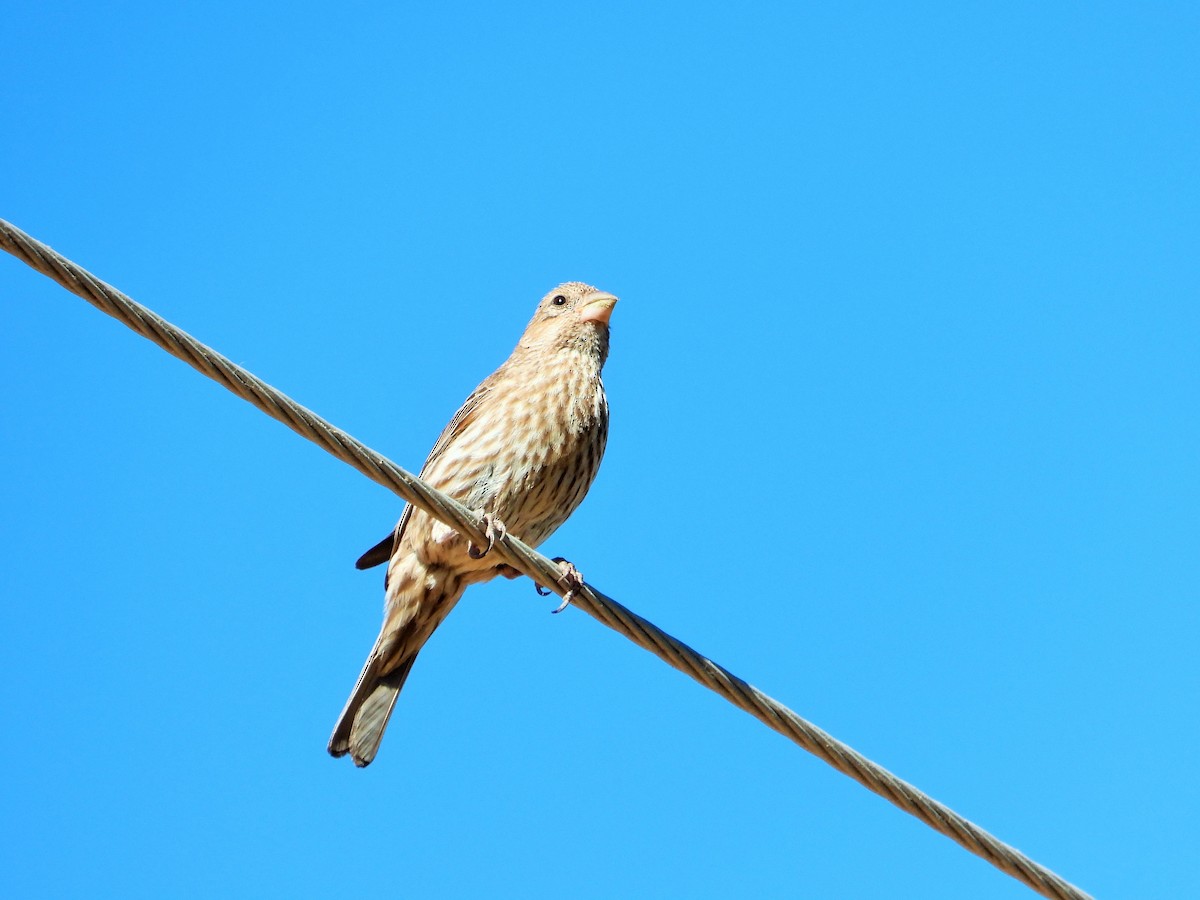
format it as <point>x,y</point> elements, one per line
<point>493,530</point>
<point>566,601</point>
<point>570,579</point>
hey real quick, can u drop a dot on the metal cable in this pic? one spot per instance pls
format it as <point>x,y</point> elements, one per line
<point>527,560</point>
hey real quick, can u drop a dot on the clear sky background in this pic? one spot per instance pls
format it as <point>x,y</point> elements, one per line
<point>904,384</point>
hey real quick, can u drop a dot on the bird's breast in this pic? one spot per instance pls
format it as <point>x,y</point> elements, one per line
<point>530,456</point>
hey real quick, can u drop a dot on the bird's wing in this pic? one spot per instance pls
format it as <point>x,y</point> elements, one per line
<point>382,551</point>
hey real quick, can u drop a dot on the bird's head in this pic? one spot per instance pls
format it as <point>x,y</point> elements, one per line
<point>572,316</point>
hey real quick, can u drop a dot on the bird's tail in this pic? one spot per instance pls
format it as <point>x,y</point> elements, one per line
<point>360,727</point>
<point>419,598</point>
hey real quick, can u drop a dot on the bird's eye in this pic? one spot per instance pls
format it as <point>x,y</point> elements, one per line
<point>559,300</point>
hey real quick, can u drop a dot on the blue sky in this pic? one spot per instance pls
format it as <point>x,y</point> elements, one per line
<point>904,386</point>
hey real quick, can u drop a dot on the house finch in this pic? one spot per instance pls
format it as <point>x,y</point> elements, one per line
<point>523,451</point>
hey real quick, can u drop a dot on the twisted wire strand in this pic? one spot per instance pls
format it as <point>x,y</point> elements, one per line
<point>533,564</point>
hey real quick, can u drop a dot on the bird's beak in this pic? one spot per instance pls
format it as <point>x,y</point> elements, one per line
<point>597,307</point>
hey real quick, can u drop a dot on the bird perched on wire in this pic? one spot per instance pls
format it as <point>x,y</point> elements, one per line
<point>523,451</point>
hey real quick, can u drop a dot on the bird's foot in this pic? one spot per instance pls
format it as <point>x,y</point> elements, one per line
<point>570,578</point>
<point>493,530</point>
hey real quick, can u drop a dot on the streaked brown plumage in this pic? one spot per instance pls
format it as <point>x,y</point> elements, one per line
<point>524,448</point>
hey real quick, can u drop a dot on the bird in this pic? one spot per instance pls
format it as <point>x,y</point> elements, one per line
<point>522,451</point>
